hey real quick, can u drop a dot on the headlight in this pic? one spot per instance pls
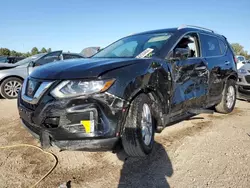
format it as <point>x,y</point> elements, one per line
<point>78,87</point>
<point>242,71</point>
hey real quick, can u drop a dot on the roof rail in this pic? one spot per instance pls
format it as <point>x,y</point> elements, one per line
<point>195,27</point>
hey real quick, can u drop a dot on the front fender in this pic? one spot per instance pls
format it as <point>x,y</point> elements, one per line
<point>151,78</point>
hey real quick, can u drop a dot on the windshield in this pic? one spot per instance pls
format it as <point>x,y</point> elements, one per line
<point>135,46</point>
<point>29,59</point>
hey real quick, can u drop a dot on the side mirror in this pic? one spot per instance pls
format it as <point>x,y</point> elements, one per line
<point>181,53</point>
<point>32,64</point>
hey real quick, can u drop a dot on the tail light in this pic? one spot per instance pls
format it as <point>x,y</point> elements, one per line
<point>235,60</point>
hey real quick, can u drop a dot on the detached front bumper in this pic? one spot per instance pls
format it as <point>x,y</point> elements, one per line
<point>91,123</point>
<point>86,144</point>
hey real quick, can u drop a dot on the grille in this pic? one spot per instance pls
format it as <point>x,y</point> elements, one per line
<point>247,78</point>
<point>32,91</point>
<point>28,105</point>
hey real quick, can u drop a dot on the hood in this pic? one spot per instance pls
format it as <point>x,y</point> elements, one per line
<point>81,68</point>
<point>6,66</point>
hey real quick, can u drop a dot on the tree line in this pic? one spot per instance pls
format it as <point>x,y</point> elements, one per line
<point>34,51</point>
<point>238,49</point>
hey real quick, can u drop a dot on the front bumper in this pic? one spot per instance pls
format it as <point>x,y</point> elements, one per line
<point>60,122</point>
<point>243,92</point>
<point>243,87</point>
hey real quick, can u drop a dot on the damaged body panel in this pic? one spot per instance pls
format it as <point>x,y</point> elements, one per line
<point>127,91</point>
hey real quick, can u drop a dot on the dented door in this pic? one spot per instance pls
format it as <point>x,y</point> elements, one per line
<point>190,84</point>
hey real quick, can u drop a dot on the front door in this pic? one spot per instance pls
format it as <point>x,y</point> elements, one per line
<point>190,77</point>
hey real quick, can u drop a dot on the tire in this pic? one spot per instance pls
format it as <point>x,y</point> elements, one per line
<point>133,141</point>
<point>223,106</point>
<point>9,87</point>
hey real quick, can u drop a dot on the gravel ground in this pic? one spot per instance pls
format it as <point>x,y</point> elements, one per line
<point>204,151</point>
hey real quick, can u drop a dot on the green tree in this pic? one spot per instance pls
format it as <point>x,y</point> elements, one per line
<point>13,53</point>
<point>43,50</point>
<point>239,49</point>
<point>34,51</point>
<point>4,51</point>
<point>27,54</point>
<point>20,54</point>
<point>49,50</point>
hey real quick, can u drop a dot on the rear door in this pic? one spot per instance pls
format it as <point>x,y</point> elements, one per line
<point>214,52</point>
<point>190,79</point>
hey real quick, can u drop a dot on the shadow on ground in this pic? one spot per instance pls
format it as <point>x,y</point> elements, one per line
<point>150,171</point>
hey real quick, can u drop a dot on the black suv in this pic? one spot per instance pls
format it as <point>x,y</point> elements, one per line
<point>130,90</point>
<point>10,59</point>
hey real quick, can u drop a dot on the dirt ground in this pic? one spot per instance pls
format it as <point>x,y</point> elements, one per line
<point>205,151</point>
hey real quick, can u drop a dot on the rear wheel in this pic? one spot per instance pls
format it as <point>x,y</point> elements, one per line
<point>10,87</point>
<point>138,135</point>
<point>228,98</point>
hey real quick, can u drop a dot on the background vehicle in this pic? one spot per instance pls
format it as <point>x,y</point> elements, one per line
<point>243,91</point>
<point>90,51</point>
<point>241,60</point>
<point>10,59</point>
<point>12,75</point>
<point>130,89</point>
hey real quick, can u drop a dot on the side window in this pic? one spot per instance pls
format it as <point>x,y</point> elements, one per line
<point>223,47</point>
<point>126,50</point>
<point>50,57</point>
<point>190,42</point>
<point>71,56</point>
<point>210,46</point>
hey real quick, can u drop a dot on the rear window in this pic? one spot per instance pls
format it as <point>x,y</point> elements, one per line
<point>210,46</point>
<point>223,47</point>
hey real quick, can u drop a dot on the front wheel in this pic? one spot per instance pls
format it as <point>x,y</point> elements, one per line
<point>228,98</point>
<point>10,87</point>
<point>138,133</point>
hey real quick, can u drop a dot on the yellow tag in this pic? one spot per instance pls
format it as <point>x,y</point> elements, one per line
<point>87,125</point>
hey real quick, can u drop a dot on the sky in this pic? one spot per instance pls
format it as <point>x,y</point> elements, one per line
<point>72,25</point>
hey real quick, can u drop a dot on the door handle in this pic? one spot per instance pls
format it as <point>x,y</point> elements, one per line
<point>201,68</point>
<point>227,62</point>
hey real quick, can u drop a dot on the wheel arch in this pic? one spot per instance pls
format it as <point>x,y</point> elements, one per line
<point>233,77</point>
<point>11,76</point>
<point>157,106</point>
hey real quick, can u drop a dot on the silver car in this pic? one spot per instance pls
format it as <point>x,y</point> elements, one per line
<point>244,82</point>
<point>12,75</point>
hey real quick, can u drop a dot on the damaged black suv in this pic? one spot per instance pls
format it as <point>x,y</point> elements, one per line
<point>129,90</point>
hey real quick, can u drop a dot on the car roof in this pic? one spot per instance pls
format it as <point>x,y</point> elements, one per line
<point>181,30</point>
<point>169,30</point>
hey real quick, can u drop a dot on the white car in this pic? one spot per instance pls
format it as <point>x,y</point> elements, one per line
<point>241,60</point>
